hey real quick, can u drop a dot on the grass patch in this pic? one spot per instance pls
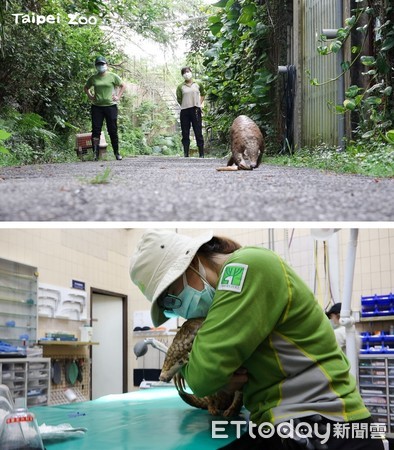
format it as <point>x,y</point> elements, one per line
<point>102,178</point>
<point>374,159</point>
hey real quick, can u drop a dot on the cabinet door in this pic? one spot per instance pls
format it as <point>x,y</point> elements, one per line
<point>27,378</point>
<point>376,379</point>
<point>13,374</point>
<point>374,388</point>
<point>38,381</point>
<point>18,303</point>
<point>390,369</point>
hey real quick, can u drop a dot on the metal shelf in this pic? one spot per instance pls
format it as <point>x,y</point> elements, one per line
<point>19,275</point>
<point>383,363</point>
<point>67,343</point>
<point>18,300</point>
<point>377,318</point>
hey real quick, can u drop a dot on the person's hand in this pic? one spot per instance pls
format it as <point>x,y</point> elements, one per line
<point>92,98</point>
<point>115,98</point>
<point>237,381</point>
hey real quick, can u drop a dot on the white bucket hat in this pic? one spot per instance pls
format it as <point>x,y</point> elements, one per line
<point>161,257</point>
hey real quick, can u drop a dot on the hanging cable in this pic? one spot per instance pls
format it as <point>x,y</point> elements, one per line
<point>291,238</point>
<point>332,297</point>
<point>286,244</point>
<point>316,274</point>
<point>326,273</point>
<point>289,97</point>
<point>318,283</point>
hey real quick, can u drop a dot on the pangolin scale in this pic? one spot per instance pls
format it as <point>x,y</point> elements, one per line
<point>220,403</point>
<point>247,145</point>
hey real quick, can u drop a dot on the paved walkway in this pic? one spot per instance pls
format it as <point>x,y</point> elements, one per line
<point>179,189</point>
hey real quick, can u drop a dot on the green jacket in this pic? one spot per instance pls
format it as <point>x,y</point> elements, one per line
<point>266,319</point>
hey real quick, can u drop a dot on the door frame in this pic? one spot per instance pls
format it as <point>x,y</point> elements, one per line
<point>125,339</point>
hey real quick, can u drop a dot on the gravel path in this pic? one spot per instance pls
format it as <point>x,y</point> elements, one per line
<point>179,189</point>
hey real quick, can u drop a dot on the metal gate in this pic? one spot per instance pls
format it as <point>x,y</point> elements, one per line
<point>319,123</point>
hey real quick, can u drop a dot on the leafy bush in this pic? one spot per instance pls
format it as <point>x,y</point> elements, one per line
<point>3,136</point>
<point>132,141</point>
<point>41,86</point>
<point>237,57</point>
<point>167,145</point>
<point>142,129</point>
<point>373,160</point>
<point>369,102</point>
<point>30,141</point>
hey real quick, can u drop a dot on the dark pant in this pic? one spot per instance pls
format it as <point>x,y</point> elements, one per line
<point>364,442</point>
<point>192,117</point>
<point>110,114</point>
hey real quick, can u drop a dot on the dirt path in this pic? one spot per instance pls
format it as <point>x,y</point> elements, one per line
<point>180,189</point>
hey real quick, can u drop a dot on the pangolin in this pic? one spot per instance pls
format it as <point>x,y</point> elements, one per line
<point>247,145</point>
<point>220,403</point>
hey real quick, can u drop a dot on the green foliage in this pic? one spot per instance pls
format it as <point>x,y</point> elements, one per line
<point>155,19</point>
<point>47,65</point>
<point>372,160</point>
<point>132,140</point>
<point>390,137</point>
<point>29,141</point>
<point>372,103</point>
<point>44,69</point>
<point>152,118</point>
<point>168,145</point>
<point>143,129</point>
<point>235,57</point>
<point>102,178</point>
<point>3,136</point>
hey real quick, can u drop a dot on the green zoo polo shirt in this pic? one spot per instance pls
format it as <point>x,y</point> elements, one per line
<point>266,319</point>
<point>104,86</point>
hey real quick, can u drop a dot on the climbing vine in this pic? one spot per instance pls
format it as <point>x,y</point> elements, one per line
<point>238,58</point>
<point>369,99</point>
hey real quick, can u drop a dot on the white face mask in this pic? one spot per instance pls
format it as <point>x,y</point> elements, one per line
<point>187,76</point>
<point>334,324</point>
<point>101,68</point>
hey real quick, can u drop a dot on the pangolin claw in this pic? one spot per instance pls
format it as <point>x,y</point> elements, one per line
<point>220,403</point>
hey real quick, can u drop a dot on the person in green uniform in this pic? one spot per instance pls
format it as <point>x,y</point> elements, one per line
<point>264,333</point>
<point>107,90</point>
<point>190,95</point>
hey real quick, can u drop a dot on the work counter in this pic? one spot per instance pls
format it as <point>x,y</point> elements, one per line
<point>154,418</point>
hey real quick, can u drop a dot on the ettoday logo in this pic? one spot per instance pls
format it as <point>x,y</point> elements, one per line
<point>308,435</point>
<point>233,277</point>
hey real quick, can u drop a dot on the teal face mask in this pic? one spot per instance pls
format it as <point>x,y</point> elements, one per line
<point>195,303</point>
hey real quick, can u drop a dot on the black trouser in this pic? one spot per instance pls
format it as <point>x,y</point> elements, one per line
<point>364,442</point>
<point>193,117</point>
<point>110,114</point>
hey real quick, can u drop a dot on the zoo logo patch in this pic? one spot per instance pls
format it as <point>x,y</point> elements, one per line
<point>233,277</point>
